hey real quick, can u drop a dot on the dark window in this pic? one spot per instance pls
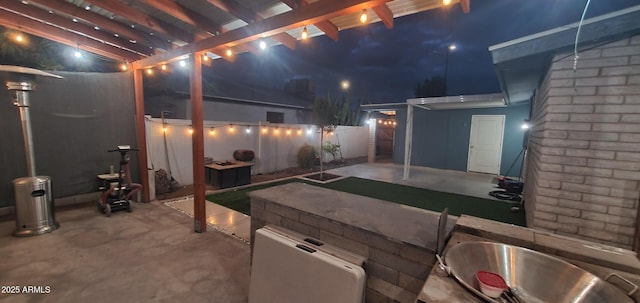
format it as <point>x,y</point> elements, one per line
<point>274,117</point>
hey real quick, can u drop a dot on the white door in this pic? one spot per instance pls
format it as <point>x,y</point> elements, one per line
<point>485,144</point>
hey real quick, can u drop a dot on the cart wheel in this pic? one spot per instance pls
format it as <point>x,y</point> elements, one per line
<point>107,210</point>
<point>99,206</point>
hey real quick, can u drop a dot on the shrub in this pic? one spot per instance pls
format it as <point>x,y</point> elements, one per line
<point>306,155</point>
<point>332,149</point>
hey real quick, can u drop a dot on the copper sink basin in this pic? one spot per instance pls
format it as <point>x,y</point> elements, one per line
<point>533,276</point>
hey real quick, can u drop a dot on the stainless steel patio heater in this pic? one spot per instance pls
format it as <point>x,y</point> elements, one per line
<point>34,204</point>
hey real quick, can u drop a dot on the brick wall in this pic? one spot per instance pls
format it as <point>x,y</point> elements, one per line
<point>583,165</point>
<point>395,270</point>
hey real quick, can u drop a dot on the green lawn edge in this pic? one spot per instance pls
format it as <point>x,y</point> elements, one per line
<point>395,193</point>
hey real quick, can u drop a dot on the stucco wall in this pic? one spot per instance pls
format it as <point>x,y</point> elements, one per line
<point>584,162</point>
<point>441,137</point>
<point>223,111</point>
<point>274,150</point>
<point>74,121</point>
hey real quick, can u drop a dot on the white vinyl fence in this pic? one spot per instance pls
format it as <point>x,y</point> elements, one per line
<point>275,145</point>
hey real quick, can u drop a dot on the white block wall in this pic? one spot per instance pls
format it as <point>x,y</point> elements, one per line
<point>583,176</point>
<point>275,150</point>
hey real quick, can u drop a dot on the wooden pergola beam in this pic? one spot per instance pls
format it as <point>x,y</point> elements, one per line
<point>103,23</point>
<point>286,40</point>
<point>222,52</point>
<point>466,6</point>
<point>385,14</point>
<point>39,15</point>
<point>30,26</point>
<point>312,13</point>
<point>236,9</point>
<point>143,19</point>
<point>185,15</point>
<point>329,29</point>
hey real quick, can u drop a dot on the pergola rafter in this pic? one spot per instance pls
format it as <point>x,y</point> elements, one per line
<point>130,30</point>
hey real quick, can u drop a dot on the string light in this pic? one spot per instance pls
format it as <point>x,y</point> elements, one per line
<point>232,129</point>
<point>446,2</point>
<point>163,67</point>
<point>363,16</point>
<point>149,71</point>
<point>124,67</point>
<point>205,58</point>
<point>305,33</point>
<point>229,53</point>
<point>263,45</point>
<point>183,64</point>
<point>19,38</point>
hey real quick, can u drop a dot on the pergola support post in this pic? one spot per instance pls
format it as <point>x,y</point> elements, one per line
<point>141,134</point>
<point>407,142</point>
<point>197,140</point>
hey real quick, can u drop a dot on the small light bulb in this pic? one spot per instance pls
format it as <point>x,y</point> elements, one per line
<point>212,132</point>
<point>305,33</point>
<point>265,130</point>
<point>124,67</point>
<point>229,53</point>
<point>190,131</point>
<point>299,132</point>
<point>164,129</point>
<point>19,38</point>
<point>205,58</point>
<point>248,130</point>
<point>163,67</point>
<point>309,131</point>
<point>183,64</point>
<point>446,2</point>
<point>363,16</point>
<point>263,45</point>
<point>288,132</point>
<point>149,71</point>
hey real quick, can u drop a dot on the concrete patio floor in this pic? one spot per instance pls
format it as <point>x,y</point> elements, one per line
<point>469,184</point>
<point>153,255</point>
<point>238,225</point>
<point>149,255</point>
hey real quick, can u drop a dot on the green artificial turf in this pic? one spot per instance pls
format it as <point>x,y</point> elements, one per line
<point>412,196</point>
<point>238,199</point>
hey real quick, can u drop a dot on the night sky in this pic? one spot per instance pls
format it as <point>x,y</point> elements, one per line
<point>384,65</point>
